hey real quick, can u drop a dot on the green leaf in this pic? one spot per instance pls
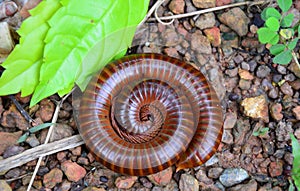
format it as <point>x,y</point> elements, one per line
<point>73,34</point>
<point>23,64</point>
<point>274,40</point>
<point>286,33</point>
<point>284,5</point>
<point>291,45</point>
<point>40,127</point>
<point>296,161</point>
<point>270,12</point>
<point>284,57</point>
<point>265,35</point>
<point>277,48</point>
<point>23,138</point>
<point>273,24</point>
<point>261,131</point>
<point>287,20</point>
<point>99,55</point>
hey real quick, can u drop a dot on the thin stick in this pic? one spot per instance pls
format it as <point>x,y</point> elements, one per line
<point>20,108</point>
<point>54,119</point>
<point>153,8</point>
<point>209,10</point>
<point>40,151</point>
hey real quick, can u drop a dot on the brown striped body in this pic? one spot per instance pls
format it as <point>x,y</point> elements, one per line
<point>144,113</point>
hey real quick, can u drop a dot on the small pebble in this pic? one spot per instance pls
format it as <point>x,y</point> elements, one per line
<point>276,168</point>
<point>263,71</point>
<point>12,150</point>
<point>281,69</point>
<point>252,65</point>
<point>290,77</point>
<point>233,176</point>
<point>188,182</point>
<point>245,66</point>
<point>104,179</point>
<point>273,93</point>
<point>145,182</point>
<point>296,112</point>
<point>52,178</point>
<point>215,172</point>
<point>287,89</point>
<point>238,59</point>
<point>124,182</point>
<point>73,171</point>
<point>233,97</point>
<point>277,78</point>
<point>275,111</point>
<point>161,178</point>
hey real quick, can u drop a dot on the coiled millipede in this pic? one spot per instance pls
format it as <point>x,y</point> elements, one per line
<point>146,112</point>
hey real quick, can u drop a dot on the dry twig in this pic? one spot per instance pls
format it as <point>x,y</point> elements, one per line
<point>40,151</point>
<point>172,17</point>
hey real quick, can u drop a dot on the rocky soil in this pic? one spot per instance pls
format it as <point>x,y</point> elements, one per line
<point>257,95</point>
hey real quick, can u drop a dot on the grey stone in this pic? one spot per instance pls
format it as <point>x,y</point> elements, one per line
<point>233,176</point>
<point>236,19</point>
<point>205,21</point>
<point>188,182</point>
<point>263,71</point>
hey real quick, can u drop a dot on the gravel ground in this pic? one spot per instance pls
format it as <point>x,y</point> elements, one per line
<point>255,94</point>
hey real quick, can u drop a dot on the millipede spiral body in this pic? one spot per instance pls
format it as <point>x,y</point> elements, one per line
<point>146,112</point>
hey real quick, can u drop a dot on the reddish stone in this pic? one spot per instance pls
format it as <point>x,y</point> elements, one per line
<point>24,100</point>
<point>61,155</point>
<point>92,188</point>
<point>91,157</point>
<point>200,43</point>
<point>222,2</point>
<point>214,36</point>
<point>52,178</point>
<point>73,171</point>
<point>13,118</point>
<point>275,111</point>
<point>177,6</point>
<point>296,112</point>
<point>46,110</point>
<point>275,168</point>
<point>8,139</point>
<point>124,182</point>
<point>204,3</point>
<point>230,120</point>
<point>83,161</point>
<point>76,151</point>
<point>171,52</point>
<point>244,74</point>
<point>24,12</point>
<point>162,178</point>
